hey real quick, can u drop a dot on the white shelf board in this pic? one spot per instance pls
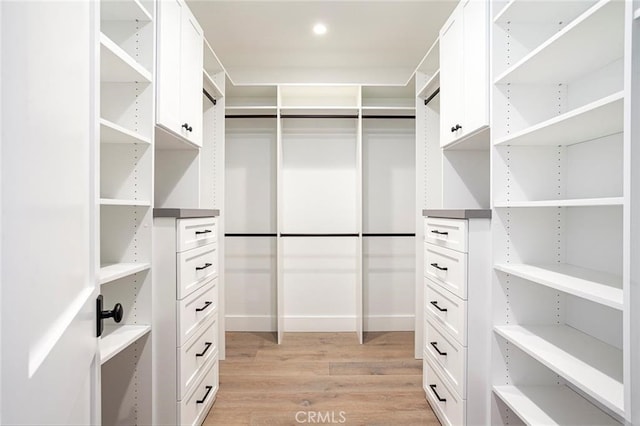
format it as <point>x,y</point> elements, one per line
<point>552,405</point>
<point>115,271</point>
<point>251,110</point>
<point>111,132</point>
<point>590,42</point>
<point>591,365</point>
<point>124,202</point>
<point>211,85</point>
<point>115,339</point>
<point>212,64</point>
<point>542,12</point>
<point>599,287</point>
<point>480,140</point>
<point>576,202</point>
<point>388,110</point>
<point>315,110</point>
<point>430,86</point>
<point>117,66</point>
<point>600,118</point>
<point>123,10</point>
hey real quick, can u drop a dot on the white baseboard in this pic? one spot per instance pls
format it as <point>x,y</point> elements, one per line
<point>320,324</point>
<point>389,323</point>
<point>265,323</point>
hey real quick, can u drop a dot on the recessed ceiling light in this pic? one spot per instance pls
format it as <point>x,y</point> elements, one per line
<point>319,29</point>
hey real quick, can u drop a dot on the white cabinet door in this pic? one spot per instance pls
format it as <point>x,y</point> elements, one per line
<point>475,66</point>
<point>451,80</point>
<point>168,79</point>
<point>49,353</point>
<point>191,78</point>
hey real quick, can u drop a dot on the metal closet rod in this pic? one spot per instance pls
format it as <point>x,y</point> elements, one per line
<point>211,98</point>
<point>319,116</point>
<point>250,235</point>
<point>433,95</point>
<point>384,234</point>
<point>388,234</point>
<point>251,116</point>
<point>389,117</point>
<point>320,235</point>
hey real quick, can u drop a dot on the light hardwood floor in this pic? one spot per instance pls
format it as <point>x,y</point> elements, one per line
<point>320,378</point>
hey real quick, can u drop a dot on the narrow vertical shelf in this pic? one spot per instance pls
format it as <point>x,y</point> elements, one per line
<point>117,66</point>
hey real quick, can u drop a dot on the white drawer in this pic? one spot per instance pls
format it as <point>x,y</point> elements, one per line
<point>194,354</point>
<point>195,268</point>
<point>447,268</point>
<point>450,233</point>
<point>447,310</point>
<point>448,406</point>
<point>449,354</point>
<point>195,309</point>
<point>194,233</point>
<point>194,408</point>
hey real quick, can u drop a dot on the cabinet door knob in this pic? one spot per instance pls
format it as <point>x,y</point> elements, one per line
<point>453,129</point>
<point>458,127</point>
<point>187,127</point>
<point>116,313</point>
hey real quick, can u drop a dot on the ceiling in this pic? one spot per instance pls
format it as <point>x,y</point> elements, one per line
<point>367,42</point>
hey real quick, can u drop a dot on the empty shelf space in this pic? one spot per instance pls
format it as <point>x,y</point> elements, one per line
<point>123,202</point>
<point>551,405</point>
<point>115,339</point>
<point>590,42</point>
<point>430,86</point>
<point>576,202</point>
<point>589,364</point>
<point>113,133</point>
<point>210,85</point>
<point>117,66</point>
<point>541,11</point>
<point>399,111</point>
<point>588,284</point>
<point>123,10</point>
<point>115,271</point>
<point>319,111</point>
<point>251,110</point>
<point>597,119</point>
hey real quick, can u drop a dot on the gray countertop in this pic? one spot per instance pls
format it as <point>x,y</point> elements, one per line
<point>185,213</point>
<point>458,213</point>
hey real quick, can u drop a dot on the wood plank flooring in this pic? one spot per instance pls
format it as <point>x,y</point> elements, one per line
<point>320,378</point>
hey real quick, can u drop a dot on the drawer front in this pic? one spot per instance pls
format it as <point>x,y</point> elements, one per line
<point>194,408</point>
<point>450,355</point>
<point>194,355</point>
<point>196,309</point>
<point>447,268</point>
<point>195,268</point>
<point>449,233</point>
<point>448,406</point>
<point>447,310</point>
<point>194,233</point>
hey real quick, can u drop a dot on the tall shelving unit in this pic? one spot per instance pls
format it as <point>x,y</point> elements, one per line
<point>126,197</point>
<point>559,160</point>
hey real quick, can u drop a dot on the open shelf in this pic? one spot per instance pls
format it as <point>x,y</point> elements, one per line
<point>476,141</point>
<point>588,363</point>
<point>251,110</point>
<point>578,202</point>
<point>111,132</point>
<point>115,271</point>
<point>122,202</point>
<point>115,339</point>
<point>551,405</point>
<point>585,45</point>
<point>388,110</point>
<point>123,10</point>
<point>322,111</point>
<point>597,119</point>
<point>211,85</point>
<point>116,65</point>
<point>541,11</point>
<point>595,286</point>
<point>430,86</point>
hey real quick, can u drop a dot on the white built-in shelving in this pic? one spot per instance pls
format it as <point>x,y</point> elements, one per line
<point>551,405</point>
<point>432,84</point>
<point>428,72</point>
<point>636,14</point>
<point>127,53</point>
<point>213,73</point>
<point>559,192</point>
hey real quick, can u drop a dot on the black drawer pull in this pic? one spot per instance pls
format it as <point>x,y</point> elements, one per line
<point>206,231</point>
<point>442,268</point>
<point>435,303</point>
<point>207,345</point>
<point>435,231</point>
<point>206,265</point>
<point>206,305</point>
<point>435,346</point>
<point>206,395</point>
<point>433,389</point>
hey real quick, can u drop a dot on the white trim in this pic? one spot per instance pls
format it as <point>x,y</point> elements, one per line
<point>320,323</point>
<point>389,323</point>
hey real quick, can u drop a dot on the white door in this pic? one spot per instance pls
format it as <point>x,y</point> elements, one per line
<point>49,352</point>
<point>451,90</point>
<point>191,59</point>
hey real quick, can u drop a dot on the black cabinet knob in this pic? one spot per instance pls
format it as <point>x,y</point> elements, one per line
<point>187,127</point>
<point>116,313</point>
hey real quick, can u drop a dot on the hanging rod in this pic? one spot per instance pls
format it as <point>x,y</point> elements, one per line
<point>318,116</point>
<point>251,235</point>
<point>433,95</point>
<point>388,234</point>
<point>208,95</point>
<point>319,235</point>
<point>396,117</point>
<point>252,116</point>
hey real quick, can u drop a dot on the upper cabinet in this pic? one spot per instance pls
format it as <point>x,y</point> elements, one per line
<point>464,72</point>
<point>180,63</point>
